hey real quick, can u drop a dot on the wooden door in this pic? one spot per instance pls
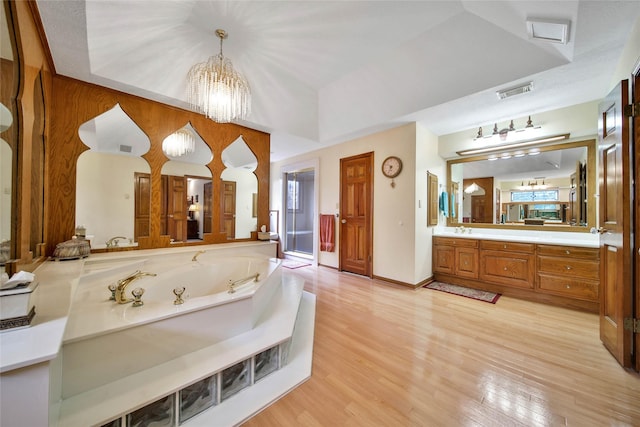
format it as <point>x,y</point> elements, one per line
<point>228,209</point>
<point>615,224</point>
<point>635,141</point>
<point>177,208</point>
<point>142,202</point>
<point>478,205</point>
<point>207,208</point>
<point>356,210</point>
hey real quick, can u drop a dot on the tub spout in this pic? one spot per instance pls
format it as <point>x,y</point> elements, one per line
<point>233,284</point>
<point>113,241</point>
<point>195,257</point>
<point>121,297</point>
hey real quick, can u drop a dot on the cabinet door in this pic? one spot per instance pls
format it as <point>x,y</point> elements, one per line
<point>467,262</point>
<point>443,259</point>
<point>507,268</point>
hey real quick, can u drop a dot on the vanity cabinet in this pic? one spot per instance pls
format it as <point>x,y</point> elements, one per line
<point>507,263</point>
<point>456,256</point>
<point>551,274</point>
<point>569,271</point>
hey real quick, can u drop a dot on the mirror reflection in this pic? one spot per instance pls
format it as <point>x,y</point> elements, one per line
<point>239,191</point>
<point>186,200</point>
<point>114,214</point>
<point>548,186</point>
<point>8,132</point>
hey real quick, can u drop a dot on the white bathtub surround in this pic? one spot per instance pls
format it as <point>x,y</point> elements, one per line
<point>290,316</point>
<point>105,341</point>
<point>588,240</point>
<point>31,366</point>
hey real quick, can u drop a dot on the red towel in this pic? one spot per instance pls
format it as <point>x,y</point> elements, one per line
<point>327,233</point>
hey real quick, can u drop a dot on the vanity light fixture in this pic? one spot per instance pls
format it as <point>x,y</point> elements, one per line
<point>502,134</point>
<point>533,185</point>
<point>217,90</point>
<point>179,143</point>
<point>514,145</point>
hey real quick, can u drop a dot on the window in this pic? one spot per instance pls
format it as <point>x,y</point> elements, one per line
<point>535,196</point>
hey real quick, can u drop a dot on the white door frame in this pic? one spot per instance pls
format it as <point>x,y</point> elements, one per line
<point>294,167</point>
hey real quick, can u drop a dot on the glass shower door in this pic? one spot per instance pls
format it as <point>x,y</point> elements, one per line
<point>300,211</point>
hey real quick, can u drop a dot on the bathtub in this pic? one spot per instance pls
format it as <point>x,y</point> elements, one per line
<point>105,341</point>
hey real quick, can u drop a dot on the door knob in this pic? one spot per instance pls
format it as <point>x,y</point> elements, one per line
<point>344,221</point>
<point>602,230</point>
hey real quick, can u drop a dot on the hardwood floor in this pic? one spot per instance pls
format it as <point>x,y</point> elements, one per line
<point>385,355</point>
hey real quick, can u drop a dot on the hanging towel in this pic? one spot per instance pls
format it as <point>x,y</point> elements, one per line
<point>444,203</point>
<point>327,233</point>
<point>453,205</point>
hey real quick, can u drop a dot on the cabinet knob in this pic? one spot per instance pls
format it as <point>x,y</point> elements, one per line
<point>504,246</point>
<point>568,287</point>
<point>568,267</point>
<point>344,221</point>
<point>505,269</point>
<point>567,252</point>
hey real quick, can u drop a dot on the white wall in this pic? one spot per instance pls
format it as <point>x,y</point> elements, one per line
<point>581,121</point>
<point>246,185</point>
<point>105,194</point>
<point>427,159</point>
<point>395,212</point>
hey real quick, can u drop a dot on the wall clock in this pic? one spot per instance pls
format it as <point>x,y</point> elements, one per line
<point>391,167</point>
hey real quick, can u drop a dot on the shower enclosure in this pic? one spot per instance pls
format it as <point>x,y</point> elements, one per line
<point>299,224</point>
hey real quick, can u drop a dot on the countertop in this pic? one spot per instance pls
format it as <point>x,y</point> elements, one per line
<point>587,240</point>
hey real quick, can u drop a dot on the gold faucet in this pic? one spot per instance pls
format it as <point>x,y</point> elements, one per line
<point>121,298</point>
<point>195,257</point>
<point>113,241</point>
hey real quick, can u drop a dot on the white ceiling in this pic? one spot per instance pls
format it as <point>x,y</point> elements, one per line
<point>323,72</point>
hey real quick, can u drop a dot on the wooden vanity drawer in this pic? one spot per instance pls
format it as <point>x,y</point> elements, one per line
<point>494,245</point>
<point>571,251</point>
<point>569,266</point>
<point>569,287</point>
<point>511,269</point>
<point>451,241</point>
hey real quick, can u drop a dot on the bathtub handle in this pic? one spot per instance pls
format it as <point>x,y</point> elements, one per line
<point>233,284</point>
<point>178,293</point>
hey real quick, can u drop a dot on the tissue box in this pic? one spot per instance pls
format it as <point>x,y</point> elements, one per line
<point>17,306</point>
<point>267,235</point>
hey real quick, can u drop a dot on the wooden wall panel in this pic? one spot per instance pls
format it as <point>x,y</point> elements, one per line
<point>75,102</point>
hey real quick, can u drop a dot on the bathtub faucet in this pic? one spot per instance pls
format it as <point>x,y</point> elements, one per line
<point>233,284</point>
<point>121,297</point>
<point>113,241</point>
<point>195,257</point>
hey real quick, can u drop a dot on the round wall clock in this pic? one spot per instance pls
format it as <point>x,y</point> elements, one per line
<point>392,166</point>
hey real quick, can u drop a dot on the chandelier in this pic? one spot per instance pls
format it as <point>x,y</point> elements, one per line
<point>179,143</point>
<point>217,90</point>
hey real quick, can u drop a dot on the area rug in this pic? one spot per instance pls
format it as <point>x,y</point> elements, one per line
<point>465,292</point>
<point>291,264</point>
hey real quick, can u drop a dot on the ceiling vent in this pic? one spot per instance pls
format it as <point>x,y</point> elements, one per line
<point>548,30</point>
<point>125,148</point>
<point>516,90</point>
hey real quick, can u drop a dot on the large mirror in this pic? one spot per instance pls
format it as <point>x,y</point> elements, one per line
<point>187,195</point>
<point>550,187</point>
<point>8,132</point>
<point>112,215</point>
<point>238,217</point>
